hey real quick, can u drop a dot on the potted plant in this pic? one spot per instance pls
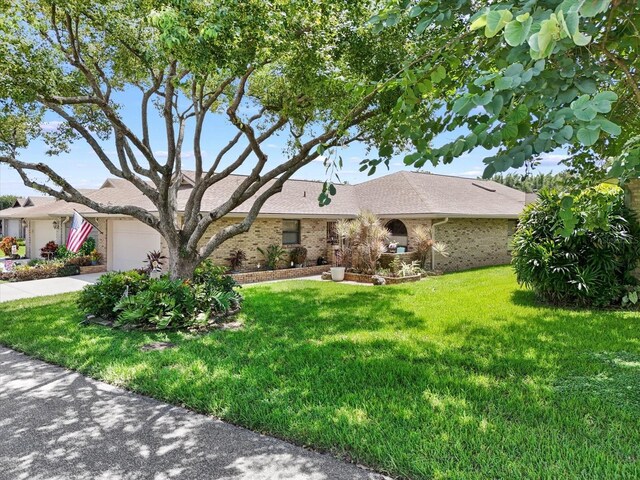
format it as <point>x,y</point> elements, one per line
<point>95,257</point>
<point>298,256</point>
<point>236,259</point>
<point>337,271</point>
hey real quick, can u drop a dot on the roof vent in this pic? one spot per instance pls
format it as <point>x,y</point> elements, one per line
<point>483,187</point>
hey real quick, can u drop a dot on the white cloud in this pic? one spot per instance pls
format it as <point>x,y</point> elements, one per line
<point>272,145</point>
<point>49,127</point>
<point>355,158</point>
<point>321,159</point>
<point>552,159</point>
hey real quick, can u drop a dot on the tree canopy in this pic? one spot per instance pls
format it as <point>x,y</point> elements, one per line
<point>525,78</point>
<point>299,69</point>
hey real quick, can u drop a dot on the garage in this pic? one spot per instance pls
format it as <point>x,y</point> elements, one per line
<point>131,240</point>
<point>42,232</point>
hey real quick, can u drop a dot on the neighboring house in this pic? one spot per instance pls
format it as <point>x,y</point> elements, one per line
<point>475,218</point>
<point>14,226</point>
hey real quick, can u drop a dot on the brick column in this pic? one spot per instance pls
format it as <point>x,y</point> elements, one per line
<point>633,201</point>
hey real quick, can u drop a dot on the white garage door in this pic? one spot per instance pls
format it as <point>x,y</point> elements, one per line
<point>131,240</point>
<point>42,232</point>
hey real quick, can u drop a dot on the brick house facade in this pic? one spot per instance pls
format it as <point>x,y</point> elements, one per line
<point>633,200</point>
<point>478,215</point>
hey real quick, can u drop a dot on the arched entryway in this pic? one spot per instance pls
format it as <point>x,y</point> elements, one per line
<point>399,233</point>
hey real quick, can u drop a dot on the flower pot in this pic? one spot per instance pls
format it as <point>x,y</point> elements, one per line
<point>337,274</point>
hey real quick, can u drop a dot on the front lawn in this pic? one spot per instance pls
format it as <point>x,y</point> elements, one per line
<point>460,376</point>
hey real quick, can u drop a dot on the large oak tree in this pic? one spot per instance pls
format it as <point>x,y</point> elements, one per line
<point>302,70</point>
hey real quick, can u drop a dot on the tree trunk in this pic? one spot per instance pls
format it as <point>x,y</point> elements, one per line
<point>182,264</point>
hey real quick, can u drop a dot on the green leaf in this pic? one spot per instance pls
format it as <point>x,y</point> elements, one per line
<point>422,26</point>
<point>463,105</point>
<point>509,131</point>
<point>504,83</point>
<point>496,21</point>
<point>581,39</point>
<point>608,126</point>
<point>591,8</point>
<point>520,113</point>
<point>483,99</point>
<point>415,11</point>
<point>571,21</point>
<point>332,189</point>
<point>602,101</point>
<point>587,136</point>
<point>566,202</point>
<point>479,22</point>
<point>438,74</point>
<point>516,32</point>
<point>385,150</point>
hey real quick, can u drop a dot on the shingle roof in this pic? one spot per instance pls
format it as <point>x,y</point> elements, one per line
<point>399,194</point>
<point>408,193</point>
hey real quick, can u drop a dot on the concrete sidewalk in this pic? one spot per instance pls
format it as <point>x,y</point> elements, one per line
<point>58,424</point>
<point>48,286</point>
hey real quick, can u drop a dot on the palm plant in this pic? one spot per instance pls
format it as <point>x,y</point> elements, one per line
<point>273,255</point>
<point>362,241</point>
<point>424,245</point>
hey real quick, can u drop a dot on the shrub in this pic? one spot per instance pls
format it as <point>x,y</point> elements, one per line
<point>298,255</point>
<point>410,269</point>
<point>49,250</point>
<point>134,300</point>
<point>88,246</point>
<point>44,269</point>
<point>67,270</point>
<point>164,303</point>
<point>6,244</point>
<point>237,258</point>
<point>215,276</point>
<point>63,252</point>
<point>101,298</point>
<point>591,266</point>
<point>273,255</point>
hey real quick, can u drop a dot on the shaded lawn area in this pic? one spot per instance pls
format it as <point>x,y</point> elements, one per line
<point>460,376</point>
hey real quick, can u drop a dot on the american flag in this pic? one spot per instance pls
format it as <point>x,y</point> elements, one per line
<point>78,232</point>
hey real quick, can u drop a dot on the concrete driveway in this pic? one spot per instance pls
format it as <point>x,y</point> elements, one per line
<point>48,286</point>
<point>57,424</point>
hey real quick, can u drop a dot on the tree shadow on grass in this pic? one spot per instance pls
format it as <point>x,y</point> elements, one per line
<point>359,373</point>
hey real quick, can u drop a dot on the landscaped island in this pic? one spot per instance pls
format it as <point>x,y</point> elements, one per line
<point>461,376</point>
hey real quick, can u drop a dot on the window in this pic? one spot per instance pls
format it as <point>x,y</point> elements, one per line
<point>398,233</point>
<point>290,232</point>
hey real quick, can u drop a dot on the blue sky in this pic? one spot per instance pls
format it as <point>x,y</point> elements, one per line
<point>82,168</point>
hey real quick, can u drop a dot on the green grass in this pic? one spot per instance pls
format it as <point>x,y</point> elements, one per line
<point>460,376</point>
<point>21,251</point>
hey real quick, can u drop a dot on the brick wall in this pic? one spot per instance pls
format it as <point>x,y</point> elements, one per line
<point>282,274</point>
<point>473,243</point>
<point>633,200</point>
<point>267,231</point>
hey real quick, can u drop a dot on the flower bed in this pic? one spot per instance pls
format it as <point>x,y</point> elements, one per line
<point>364,278</point>
<point>282,274</point>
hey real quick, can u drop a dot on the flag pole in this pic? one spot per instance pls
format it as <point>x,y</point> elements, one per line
<point>88,221</point>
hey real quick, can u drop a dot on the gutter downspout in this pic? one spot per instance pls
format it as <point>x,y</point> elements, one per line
<point>433,237</point>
